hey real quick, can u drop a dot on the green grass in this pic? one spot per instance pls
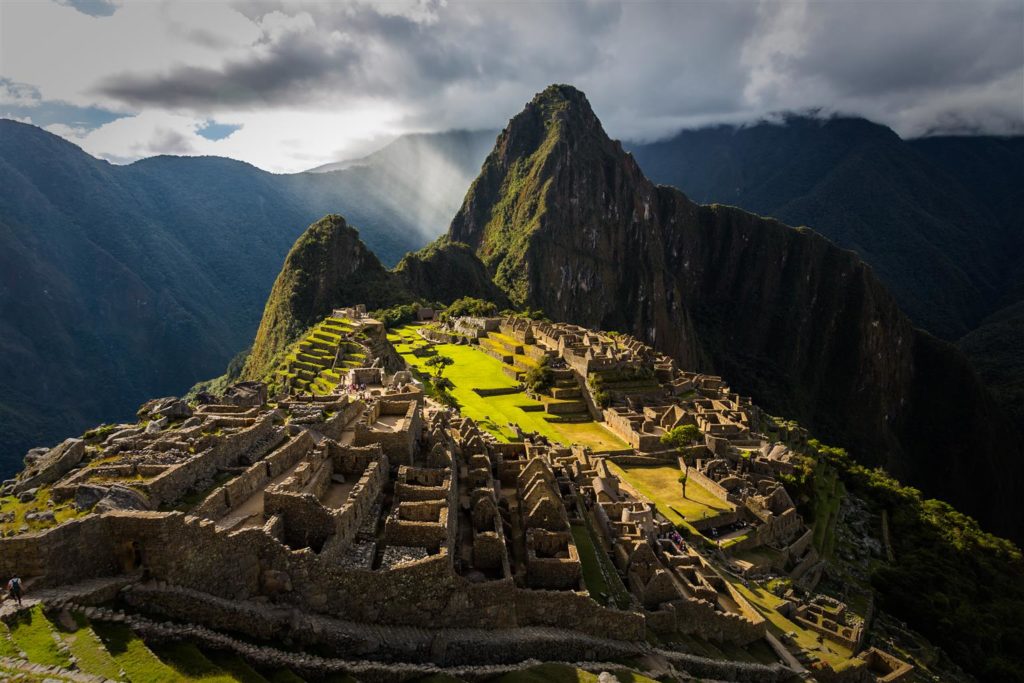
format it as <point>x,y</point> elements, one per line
<point>766,602</point>
<point>660,484</point>
<point>132,655</point>
<point>7,646</point>
<point>598,571</point>
<point>88,649</point>
<point>828,494</point>
<point>190,663</point>
<point>474,369</point>
<point>32,633</point>
<point>62,512</point>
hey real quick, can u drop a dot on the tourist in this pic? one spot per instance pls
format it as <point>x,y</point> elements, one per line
<point>14,589</point>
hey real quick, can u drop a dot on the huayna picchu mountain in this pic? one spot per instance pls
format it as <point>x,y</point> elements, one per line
<point>564,220</point>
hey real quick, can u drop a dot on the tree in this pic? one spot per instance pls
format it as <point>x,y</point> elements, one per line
<point>540,378</point>
<point>679,438</point>
<point>438,363</point>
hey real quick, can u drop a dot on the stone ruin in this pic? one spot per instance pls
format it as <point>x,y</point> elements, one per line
<point>381,508</point>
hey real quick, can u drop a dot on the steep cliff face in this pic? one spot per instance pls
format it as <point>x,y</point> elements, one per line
<point>328,266</point>
<point>564,220</point>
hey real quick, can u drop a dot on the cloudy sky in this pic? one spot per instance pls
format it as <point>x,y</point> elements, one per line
<point>288,85</point>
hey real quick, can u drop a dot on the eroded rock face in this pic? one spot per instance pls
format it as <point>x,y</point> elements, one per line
<point>565,221</point>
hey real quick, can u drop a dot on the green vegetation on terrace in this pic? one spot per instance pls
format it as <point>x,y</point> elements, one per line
<point>474,369</point>
<point>828,494</point>
<point>974,601</point>
<point>318,360</point>
<point>599,574</point>
<point>133,656</point>
<point>190,664</point>
<point>11,505</point>
<point>89,651</point>
<point>765,602</point>
<point>660,484</point>
<point>32,633</point>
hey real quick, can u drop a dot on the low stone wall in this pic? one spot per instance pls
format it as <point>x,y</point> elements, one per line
<point>178,480</point>
<point>699,617</point>
<point>256,477</point>
<point>498,391</point>
<point>76,550</point>
<point>710,485</point>
<point>568,609</point>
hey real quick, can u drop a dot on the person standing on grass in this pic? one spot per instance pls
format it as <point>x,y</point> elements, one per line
<point>14,589</point>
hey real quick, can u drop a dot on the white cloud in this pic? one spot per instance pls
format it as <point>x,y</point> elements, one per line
<point>308,80</point>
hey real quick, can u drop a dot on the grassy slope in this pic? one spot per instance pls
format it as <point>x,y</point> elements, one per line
<point>474,369</point>
<point>33,633</point>
<point>659,483</point>
<point>132,655</point>
<point>562,673</point>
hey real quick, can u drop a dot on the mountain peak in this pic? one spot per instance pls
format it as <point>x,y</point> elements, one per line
<point>560,97</point>
<point>553,158</point>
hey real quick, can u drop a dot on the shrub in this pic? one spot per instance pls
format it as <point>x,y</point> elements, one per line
<point>539,379</point>
<point>467,305</point>
<point>396,315</point>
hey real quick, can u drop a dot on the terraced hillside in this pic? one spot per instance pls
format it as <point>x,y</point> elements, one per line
<point>317,363</point>
<point>66,645</point>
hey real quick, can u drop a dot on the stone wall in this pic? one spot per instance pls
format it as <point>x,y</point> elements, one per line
<point>255,478</point>
<point>178,480</point>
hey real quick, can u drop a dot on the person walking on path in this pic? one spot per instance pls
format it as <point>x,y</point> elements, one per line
<point>14,589</point>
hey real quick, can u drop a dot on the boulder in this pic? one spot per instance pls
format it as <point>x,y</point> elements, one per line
<point>176,409</point>
<point>122,498</point>
<point>87,495</point>
<point>149,407</point>
<point>155,426</point>
<point>205,398</point>
<point>34,455</point>
<point>51,466</point>
<point>28,495</point>
<point>275,582</point>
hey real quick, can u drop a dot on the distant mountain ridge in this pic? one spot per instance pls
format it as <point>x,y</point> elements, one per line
<point>119,283</point>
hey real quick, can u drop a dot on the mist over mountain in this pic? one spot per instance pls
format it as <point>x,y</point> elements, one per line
<point>124,282</point>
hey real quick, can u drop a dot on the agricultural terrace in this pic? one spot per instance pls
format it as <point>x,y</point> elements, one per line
<point>660,483</point>
<point>767,603</point>
<point>474,369</point>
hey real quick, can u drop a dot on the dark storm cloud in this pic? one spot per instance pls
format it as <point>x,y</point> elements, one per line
<point>874,48</point>
<point>96,8</point>
<point>649,68</point>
